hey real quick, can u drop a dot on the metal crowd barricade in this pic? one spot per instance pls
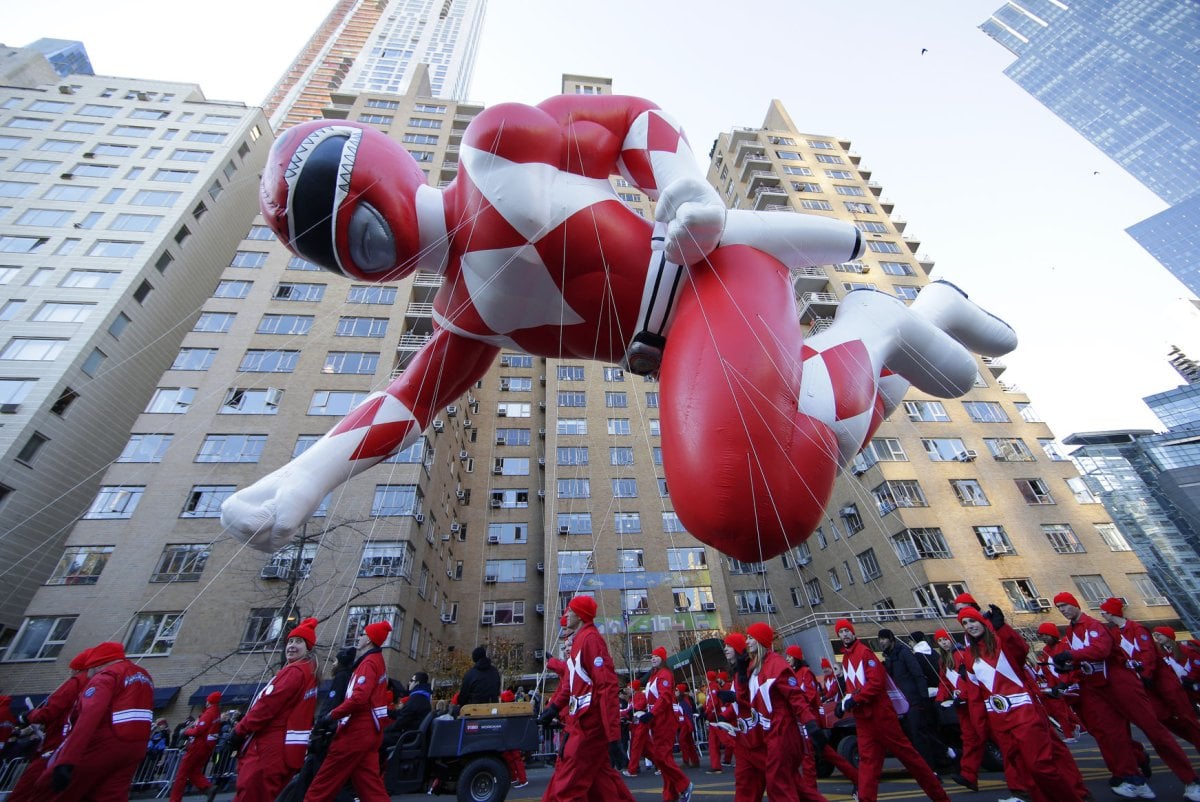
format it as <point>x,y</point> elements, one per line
<point>10,772</point>
<point>157,772</point>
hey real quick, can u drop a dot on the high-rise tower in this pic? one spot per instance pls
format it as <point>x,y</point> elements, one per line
<point>1123,76</point>
<point>376,45</point>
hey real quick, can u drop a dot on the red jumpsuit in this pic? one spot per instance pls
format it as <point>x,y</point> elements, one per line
<point>276,729</point>
<point>1060,690</point>
<point>195,757</point>
<point>956,686</point>
<point>1112,698</point>
<point>588,698</point>
<point>780,710</point>
<point>811,690</point>
<point>108,739</point>
<point>354,751</point>
<point>878,727</point>
<point>688,752</point>
<point>1187,669</point>
<point>660,695</point>
<point>1170,701</point>
<point>639,732</point>
<point>749,756</point>
<point>1014,714</point>
<point>52,716</point>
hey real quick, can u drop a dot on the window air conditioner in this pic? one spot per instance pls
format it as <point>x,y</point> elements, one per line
<point>708,607</point>
<point>539,654</point>
<point>860,471</point>
<point>1042,603</point>
<point>541,494</point>
<point>493,538</point>
<point>452,410</point>
<point>468,423</point>
<point>455,528</point>
<point>445,538</point>
<point>501,440</point>
<point>460,494</point>
<point>542,432</point>
<point>541,404</point>
<point>543,379</point>
<point>491,579</point>
<point>419,518</point>
<point>274,396</point>
<point>496,503</point>
<point>438,426</point>
<point>487,620</point>
<point>772,608</point>
<point>497,469</point>
<point>463,454</point>
<point>502,412</point>
<point>541,462</point>
<point>848,511</point>
<point>273,572</point>
<point>447,618</point>
<point>564,530</point>
<point>967,456</point>
<point>378,570</point>
<point>540,609</point>
<point>9,409</point>
<point>541,568</point>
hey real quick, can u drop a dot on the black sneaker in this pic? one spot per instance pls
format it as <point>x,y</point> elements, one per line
<point>964,782</point>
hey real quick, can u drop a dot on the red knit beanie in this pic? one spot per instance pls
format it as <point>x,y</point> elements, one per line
<point>722,676</point>
<point>79,661</point>
<point>306,630</point>
<point>637,686</point>
<point>1113,606</point>
<point>965,598</point>
<point>711,676</point>
<point>1067,598</point>
<point>826,664</point>
<point>1167,631</point>
<point>214,698</point>
<point>661,652</point>
<point>1046,628</point>
<point>584,607</point>
<point>507,696</point>
<point>761,632</point>
<point>843,623</point>
<point>794,652</point>
<point>737,641</point>
<point>103,653</point>
<point>941,633</point>
<point>378,632</point>
<point>971,612</point>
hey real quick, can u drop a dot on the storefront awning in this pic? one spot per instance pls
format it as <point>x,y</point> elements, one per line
<point>164,696</point>
<point>231,693</point>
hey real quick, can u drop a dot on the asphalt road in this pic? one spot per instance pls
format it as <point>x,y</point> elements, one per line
<point>895,785</point>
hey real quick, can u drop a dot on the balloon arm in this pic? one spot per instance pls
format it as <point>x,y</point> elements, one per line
<point>268,513</point>
<point>796,240</point>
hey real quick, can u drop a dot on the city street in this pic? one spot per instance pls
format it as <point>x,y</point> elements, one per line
<point>896,785</point>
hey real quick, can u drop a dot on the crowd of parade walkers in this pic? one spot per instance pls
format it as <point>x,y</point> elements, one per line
<point>763,712</point>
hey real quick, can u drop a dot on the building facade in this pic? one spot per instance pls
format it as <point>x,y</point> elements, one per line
<point>1122,75</point>
<point>119,202</point>
<point>377,46</point>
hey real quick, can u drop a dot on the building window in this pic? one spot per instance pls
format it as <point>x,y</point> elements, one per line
<point>258,360</point>
<point>516,437</point>
<point>231,448</point>
<point>886,449</point>
<point>248,401</point>
<point>33,349</point>
<point>1093,589</point>
<point>1112,537</point>
<point>152,634</point>
<point>514,409</point>
<point>985,412</point>
<point>923,543</point>
<point>576,562</point>
<point>868,565</point>
<point>507,533</point>
<point>574,523</point>
<point>1062,539</point>
<point>503,613</point>
<point>627,523</point>
<point>926,412</point>
<point>360,363</point>
<point>265,629</point>
<point>574,488</point>
<point>1081,491</point>
<point>181,562</point>
<point>516,384</point>
<point>1008,449</point>
<point>371,294</point>
<point>214,322</point>
<point>944,449</point>
<point>624,488</point>
<point>358,618</point>
<point>749,602</point>
<point>294,325</point>
<point>899,493</point>
<point>571,455</point>
<point>969,493</point>
<point>40,638</point>
<point>334,402</point>
<point>194,359</point>
<point>851,518</point>
<point>1149,592</point>
<point>292,291</point>
<point>671,524</point>
<point>835,581</point>
<point>687,559</point>
<point>620,455</point>
<point>572,398</point>
<point>115,501</point>
<point>145,448</point>
<point>511,466</point>
<point>995,540</point>
<point>205,501</point>
<point>510,499</point>
<point>1034,491</point>
<point>504,571</point>
<point>629,560</point>
<point>619,426</point>
<point>80,565</point>
<point>233,289</point>
<point>394,559</point>
<point>616,400</point>
<point>395,500</point>
<point>813,592</point>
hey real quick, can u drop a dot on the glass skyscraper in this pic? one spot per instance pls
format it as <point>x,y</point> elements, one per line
<point>1124,76</point>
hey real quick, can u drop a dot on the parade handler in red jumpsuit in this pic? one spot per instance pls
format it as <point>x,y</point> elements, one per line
<point>1112,698</point>
<point>716,711</point>
<point>811,689</point>
<point>588,694</point>
<point>877,725</point>
<point>539,255</point>
<point>354,751</point>
<point>1014,714</point>
<point>106,744</point>
<point>749,756</point>
<point>273,735</point>
<point>1166,693</point>
<point>203,735</point>
<point>664,725</point>
<point>785,715</point>
<point>51,715</point>
<point>639,729</point>
<point>1183,659</point>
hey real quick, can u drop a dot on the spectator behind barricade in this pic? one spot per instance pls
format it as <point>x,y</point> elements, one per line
<point>160,738</point>
<point>481,683</point>
<point>178,739</point>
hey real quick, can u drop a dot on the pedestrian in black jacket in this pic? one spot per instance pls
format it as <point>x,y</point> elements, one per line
<point>905,670</point>
<point>481,683</point>
<point>410,715</point>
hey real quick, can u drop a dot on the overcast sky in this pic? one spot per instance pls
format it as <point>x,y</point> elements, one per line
<point>1013,205</point>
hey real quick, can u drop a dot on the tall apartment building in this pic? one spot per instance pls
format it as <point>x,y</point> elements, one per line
<point>951,495</point>
<point>1148,482</point>
<point>1123,76</point>
<point>377,46</point>
<point>119,207</point>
